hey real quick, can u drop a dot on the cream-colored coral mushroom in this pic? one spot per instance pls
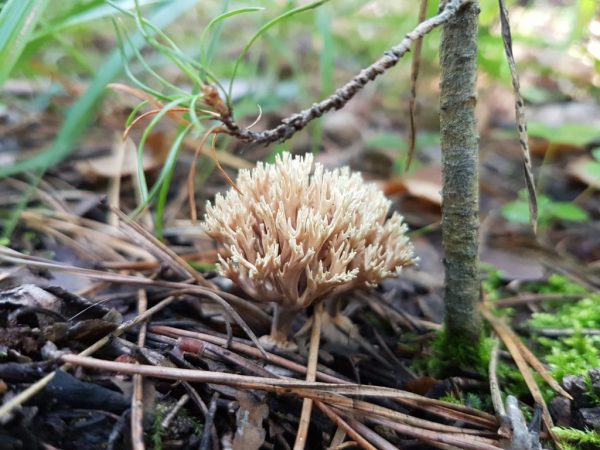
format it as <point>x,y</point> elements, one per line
<point>297,233</point>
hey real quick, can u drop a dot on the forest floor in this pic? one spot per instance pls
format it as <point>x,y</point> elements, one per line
<point>155,339</point>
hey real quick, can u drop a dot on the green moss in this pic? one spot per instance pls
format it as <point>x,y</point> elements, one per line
<point>452,356</point>
<point>569,355</point>
<point>158,432</point>
<point>572,438</point>
<point>492,283</point>
<point>182,424</point>
<point>577,353</point>
<point>470,399</point>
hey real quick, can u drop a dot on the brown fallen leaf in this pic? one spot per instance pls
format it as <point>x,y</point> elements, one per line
<point>123,160</point>
<point>425,184</point>
<point>250,433</point>
<point>580,169</point>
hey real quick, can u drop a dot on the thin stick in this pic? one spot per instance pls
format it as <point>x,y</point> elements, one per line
<point>438,407</point>
<point>311,369</point>
<point>531,298</point>
<point>208,422</point>
<point>382,444</point>
<point>244,348</point>
<point>520,115</point>
<point>494,385</point>
<point>137,399</point>
<point>463,442</point>
<point>169,417</point>
<point>510,341</point>
<point>505,429</point>
<point>330,393</point>
<point>335,418</point>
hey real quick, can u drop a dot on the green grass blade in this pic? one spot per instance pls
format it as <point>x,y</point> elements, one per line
<point>17,21</point>
<point>81,113</point>
<point>169,169</point>
<point>182,61</point>
<point>145,135</point>
<point>10,224</point>
<point>206,55</point>
<point>82,14</point>
<point>326,66</point>
<point>263,29</point>
<point>121,39</point>
<point>134,112</point>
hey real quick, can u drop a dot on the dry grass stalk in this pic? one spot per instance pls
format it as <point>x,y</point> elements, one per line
<point>311,370</point>
<point>448,411</point>
<point>137,399</point>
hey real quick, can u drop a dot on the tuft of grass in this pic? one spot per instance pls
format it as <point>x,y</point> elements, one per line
<point>18,19</point>
<point>200,104</point>
<point>80,115</point>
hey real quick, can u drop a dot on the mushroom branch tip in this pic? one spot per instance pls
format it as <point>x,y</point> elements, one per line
<point>296,233</point>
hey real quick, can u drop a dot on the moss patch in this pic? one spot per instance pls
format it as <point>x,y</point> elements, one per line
<point>453,356</point>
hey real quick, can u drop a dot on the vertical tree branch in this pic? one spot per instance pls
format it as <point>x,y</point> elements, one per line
<point>460,160</point>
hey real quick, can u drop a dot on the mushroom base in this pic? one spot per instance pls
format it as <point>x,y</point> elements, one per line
<point>283,319</point>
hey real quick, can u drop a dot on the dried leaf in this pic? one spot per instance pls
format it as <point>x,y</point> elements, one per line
<point>414,75</point>
<point>250,433</point>
<point>122,161</point>
<point>586,171</point>
<point>520,115</point>
<point>425,184</point>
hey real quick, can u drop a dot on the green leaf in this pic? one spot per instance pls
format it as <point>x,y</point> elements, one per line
<point>592,168</point>
<point>567,211</point>
<point>82,112</point>
<point>207,55</point>
<point>596,153</point>
<point>516,211</point>
<point>18,18</point>
<point>569,133</point>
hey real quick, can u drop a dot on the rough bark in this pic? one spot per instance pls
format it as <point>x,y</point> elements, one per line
<point>460,209</point>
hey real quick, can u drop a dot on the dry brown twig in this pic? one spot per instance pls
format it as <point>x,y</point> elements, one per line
<point>332,394</point>
<point>137,399</point>
<point>311,370</point>
<point>449,411</point>
<point>525,360</point>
